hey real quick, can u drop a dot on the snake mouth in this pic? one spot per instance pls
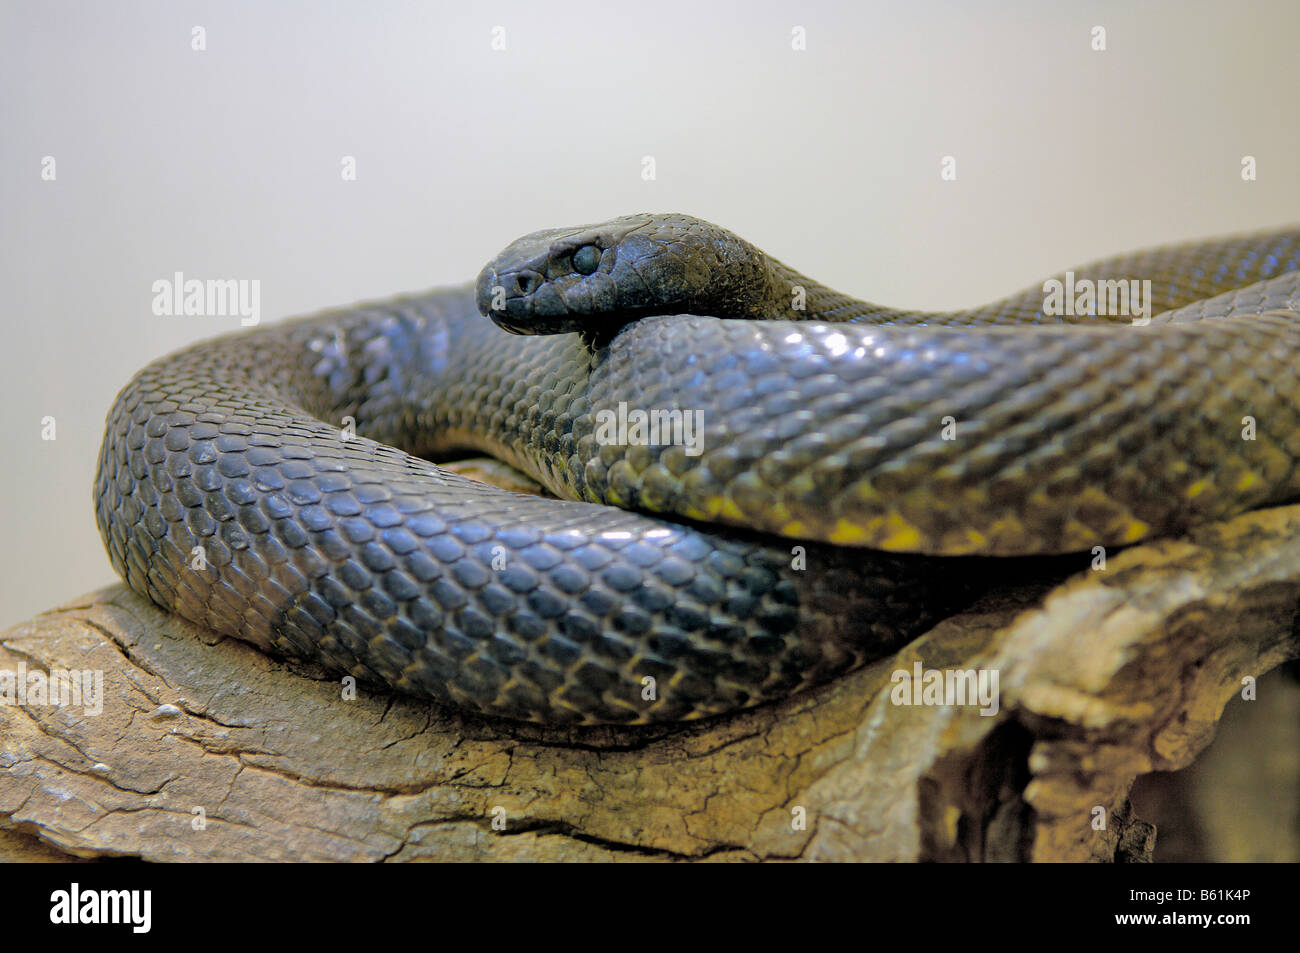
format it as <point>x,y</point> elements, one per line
<point>523,302</point>
<point>514,326</point>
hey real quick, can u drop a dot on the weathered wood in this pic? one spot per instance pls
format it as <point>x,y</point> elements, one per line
<point>1115,673</point>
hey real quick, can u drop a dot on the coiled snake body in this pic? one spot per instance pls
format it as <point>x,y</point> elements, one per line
<point>231,493</point>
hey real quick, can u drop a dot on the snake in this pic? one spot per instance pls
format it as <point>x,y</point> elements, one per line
<point>825,479</point>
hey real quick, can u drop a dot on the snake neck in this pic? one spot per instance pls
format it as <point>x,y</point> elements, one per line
<point>793,296</point>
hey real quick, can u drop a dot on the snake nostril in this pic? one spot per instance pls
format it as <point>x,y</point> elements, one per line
<point>528,283</point>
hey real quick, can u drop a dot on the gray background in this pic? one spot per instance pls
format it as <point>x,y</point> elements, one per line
<point>226,163</point>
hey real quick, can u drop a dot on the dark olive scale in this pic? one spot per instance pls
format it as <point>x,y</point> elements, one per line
<point>382,565</point>
<point>825,419</point>
<point>227,494</point>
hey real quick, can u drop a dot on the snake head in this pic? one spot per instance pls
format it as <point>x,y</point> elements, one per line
<point>597,278</point>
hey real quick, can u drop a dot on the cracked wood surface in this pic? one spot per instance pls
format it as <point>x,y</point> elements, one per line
<point>1109,675</point>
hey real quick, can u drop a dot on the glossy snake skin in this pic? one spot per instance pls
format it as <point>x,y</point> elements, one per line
<point>232,492</point>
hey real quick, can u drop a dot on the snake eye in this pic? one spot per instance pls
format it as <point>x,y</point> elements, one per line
<point>586,259</point>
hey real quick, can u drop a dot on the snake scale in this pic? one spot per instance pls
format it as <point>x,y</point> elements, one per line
<point>274,485</point>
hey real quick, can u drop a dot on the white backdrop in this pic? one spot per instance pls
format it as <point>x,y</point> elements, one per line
<point>226,162</point>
